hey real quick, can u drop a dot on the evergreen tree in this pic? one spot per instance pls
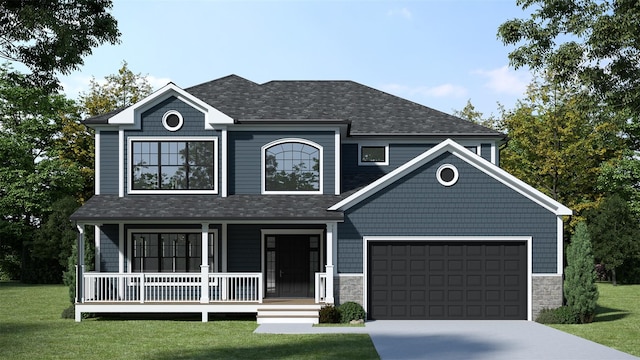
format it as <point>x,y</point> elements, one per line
<point>580,275</point>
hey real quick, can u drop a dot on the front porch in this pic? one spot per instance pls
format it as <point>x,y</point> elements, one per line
<point>193,293</point>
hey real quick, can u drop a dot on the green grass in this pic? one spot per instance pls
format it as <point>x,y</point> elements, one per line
<point>617,321</point>
<point>31,328</point>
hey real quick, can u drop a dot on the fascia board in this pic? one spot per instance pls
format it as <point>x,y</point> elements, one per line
<point>129,115</point>
<point>467,156</point>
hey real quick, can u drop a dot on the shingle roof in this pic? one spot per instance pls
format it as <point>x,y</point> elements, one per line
<point>370,111</point>
<point>106,208</point>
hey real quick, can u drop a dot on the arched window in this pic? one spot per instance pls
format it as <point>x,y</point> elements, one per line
<point>292,166</point>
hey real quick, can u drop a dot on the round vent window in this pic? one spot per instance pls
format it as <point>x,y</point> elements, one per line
<point>172,120</point>
<point>447,174</point>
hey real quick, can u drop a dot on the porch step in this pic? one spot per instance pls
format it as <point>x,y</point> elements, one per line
<point>288,315</point>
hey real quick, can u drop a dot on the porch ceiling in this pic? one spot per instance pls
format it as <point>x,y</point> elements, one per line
<point>103,208</point>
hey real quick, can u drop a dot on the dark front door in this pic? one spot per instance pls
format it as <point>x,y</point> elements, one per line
<point>291,263</point>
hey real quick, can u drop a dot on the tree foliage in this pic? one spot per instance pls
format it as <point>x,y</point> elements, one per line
<point>118,91</point>
<point>470,113</point>
<point>53,36</point>
<point>557,143</point>
<point>615,234</point>
<point>594,42</point>
<point>580,275</point>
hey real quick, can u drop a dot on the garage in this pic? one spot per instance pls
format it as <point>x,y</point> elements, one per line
<point>447,280</point>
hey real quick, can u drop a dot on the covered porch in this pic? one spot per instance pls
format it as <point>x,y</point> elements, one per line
<point>280,269</point>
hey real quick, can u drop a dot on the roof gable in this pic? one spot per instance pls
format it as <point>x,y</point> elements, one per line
<point>467,156</point>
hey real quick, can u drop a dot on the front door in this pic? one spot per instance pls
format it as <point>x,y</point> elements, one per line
<point>291,264</point>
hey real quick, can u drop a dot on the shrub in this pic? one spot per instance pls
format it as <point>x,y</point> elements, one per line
<point>351,311</point>
<point>580,276</point>
<point>561,315</point>
<point>329,314</point>
<point>69,313</point>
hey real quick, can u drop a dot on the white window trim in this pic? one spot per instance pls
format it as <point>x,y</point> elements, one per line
<point>455,175</point>
<point>130,189</point>
<point>172,128</point>
<point>263,184</point>
<point>212,267</point>
<point>528,240</point>
<point>373,163</point>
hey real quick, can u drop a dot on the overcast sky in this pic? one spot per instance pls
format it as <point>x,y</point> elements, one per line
<point>439,53</point>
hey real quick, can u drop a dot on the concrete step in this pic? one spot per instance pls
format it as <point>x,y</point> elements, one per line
<point>288,315</point>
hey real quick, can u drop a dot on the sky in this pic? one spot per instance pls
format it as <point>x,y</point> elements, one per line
<point>438,53</point>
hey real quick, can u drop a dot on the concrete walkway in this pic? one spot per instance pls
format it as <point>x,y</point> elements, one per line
<point>468,340</point>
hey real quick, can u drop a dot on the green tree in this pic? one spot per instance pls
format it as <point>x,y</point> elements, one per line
<point>557,144</point>
<point>470,113</point>
<point>593,41</point>
<point>580,288</point>
<point>33,175</point>
<point>118,91</point>
<point>615,234</point>
<point>52,37</point>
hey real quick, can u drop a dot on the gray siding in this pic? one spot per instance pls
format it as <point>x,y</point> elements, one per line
<point>109,248</point>
<point>109,162</point>
<point>418,205</point>
<point>152,127</point>
<point>244,164</point>
<point>485,151</point>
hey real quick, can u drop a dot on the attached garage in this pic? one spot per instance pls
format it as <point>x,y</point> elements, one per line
<point>448,279</point>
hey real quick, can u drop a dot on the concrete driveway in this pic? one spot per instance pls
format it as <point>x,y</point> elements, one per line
<point>469,340</point>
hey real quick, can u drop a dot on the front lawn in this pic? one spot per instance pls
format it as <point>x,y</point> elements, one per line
<point>31,328</point>
<point>617,322</point>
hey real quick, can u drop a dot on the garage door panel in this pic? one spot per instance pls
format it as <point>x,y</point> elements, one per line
<point>447,280</point>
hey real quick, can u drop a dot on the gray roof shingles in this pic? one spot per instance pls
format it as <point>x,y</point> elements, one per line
<point>106,208</point>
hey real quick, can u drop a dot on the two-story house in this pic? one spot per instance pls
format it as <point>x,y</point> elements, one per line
<point>276,198</point>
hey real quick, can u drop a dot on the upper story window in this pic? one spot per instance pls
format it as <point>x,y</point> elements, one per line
<point>180,166</point>
<point>373,155</point>
<point>292,166</point>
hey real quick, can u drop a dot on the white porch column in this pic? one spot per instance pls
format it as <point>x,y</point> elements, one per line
<point>80,272</point>
<point>204,266</point>
<point>332,230</point>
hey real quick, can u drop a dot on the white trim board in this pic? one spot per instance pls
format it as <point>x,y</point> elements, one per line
<point>528,240</point>
<point>470,158</point>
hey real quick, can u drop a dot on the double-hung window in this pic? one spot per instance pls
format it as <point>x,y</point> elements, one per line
<point>170,252</point>
<point>180,166</point>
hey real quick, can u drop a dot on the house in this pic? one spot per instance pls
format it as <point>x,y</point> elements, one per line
<point>277,198</point>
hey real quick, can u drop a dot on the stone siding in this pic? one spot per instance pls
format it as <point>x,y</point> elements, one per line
<point>348,288</point>
<point>546,293</point>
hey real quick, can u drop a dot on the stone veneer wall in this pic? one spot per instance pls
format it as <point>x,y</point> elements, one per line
<point>348,288</point>
<point>546,293</point>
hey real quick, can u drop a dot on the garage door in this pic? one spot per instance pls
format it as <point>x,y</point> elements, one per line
<point>447,280</point>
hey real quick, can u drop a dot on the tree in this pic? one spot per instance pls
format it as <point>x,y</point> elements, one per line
<point>470,113</point>
<point>594,42</point>
<point>120,90</point>
<point>580,275</point>
<point>615,234</point>
<point>53,36</point>
<point>557,143</point>
<point>33,174</point>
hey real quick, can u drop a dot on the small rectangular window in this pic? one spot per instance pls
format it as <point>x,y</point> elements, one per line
<point>373,155</point>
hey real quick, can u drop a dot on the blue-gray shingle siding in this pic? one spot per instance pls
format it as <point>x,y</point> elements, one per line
<point>418,205</point>
<point>109,152</point>
<point>109,245</point>
<point>245,157</point>
<point>485,151</point>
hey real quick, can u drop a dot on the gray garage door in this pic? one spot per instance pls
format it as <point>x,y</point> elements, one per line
<point>447,280</point>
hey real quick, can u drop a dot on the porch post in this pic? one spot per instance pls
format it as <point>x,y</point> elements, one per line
<point>204,265</point>
<point>80,272</point>
<point>332,230</point>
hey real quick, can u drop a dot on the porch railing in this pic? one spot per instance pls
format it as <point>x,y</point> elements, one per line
<point>171,287</point>
<point>321,287</point>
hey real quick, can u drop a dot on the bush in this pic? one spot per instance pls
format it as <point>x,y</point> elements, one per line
<point>69,313</point>
<point>351,311</point>
<point>580,276</point>
<point>561,315</point>
<point>329,314</point>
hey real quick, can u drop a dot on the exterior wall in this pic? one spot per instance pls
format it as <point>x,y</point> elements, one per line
<point>485,151</point>
<point>245,157</point>
<point>108,162</point>
<point>151,126</point>
<point>546,293</point>
<point>348,288</point>
<point>109,248</point>
<point>418,205</point>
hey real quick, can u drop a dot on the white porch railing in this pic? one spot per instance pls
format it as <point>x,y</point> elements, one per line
<point>171,287</point>
<point>321,287</point>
